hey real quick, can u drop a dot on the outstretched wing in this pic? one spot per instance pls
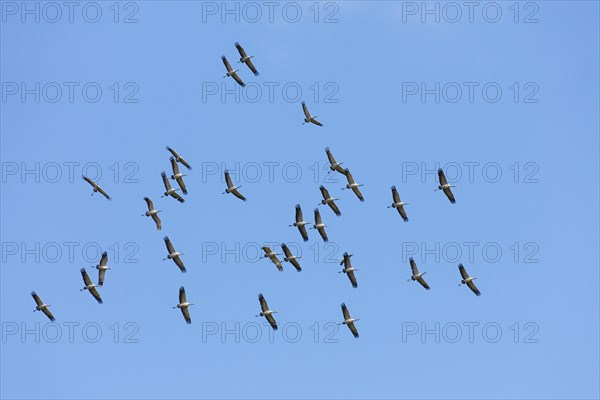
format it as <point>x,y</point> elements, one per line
<point>305,109</point>
<point>345,312</point>
<point>228,180</point>
<point>149,203</point>
<point>179,262</point>
<point>318,219</point>
<point>104,259</point>
<point>357,192</point>
<point>413,267</point>
<point>395,195</point>
<point>102,192</point>
<point>176,196</point>
<point>49,314</point>
<point>187,165</point>
<point>263,303</point>
<point>37,299</point>
<point>463,271</point>
<point>314,121</point>
<point>170,247</point>
<point>101,275</point>
<point>182,297</point>
<point>238,79</point>
<point>86,277</point>
<point>172,151</point>
<point>324,192</point>
<point>349,177</point>
<point>402,213</point>
<point>88,180</point>
<point>165,181</point>
<point>421,280</point>
<point>353,329</point>
<point>298,213</point>
<point>473,288</point>
<point>272,321</point>
<point>186,314</point>
<point>286,250</point>
<point>237,194</point>
<point>241,50</point>
<point>442,177</point>
<point>302,229</point>
<point>449,195</point>
<point>227,65</point>
<point>335,208</point>
<point>174,166</point>
<point>352,278</point>
<point>157,220</point>
<point>96,295</point>
<point>181,184</point>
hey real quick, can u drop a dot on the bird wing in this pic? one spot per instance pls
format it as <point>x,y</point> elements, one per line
<point>473,288</point>
<point>267,250</point>
<point>463,271</point>
<point>102,192</point>
<point>37,299</point>
<point>324,192</point>
<point>298,213</point>
<point>96,295</point>
<point>296,264</point>
<point>395,195</point>
<point>335,208</point>
<point>237,194</point>
<point>176,196</point>
<point>305,109</point>
<point>314,121</point>
<point>182,297</point>
<point>323,234</point>
<point>170,247</point>
<point>88,180</point>
<point>101,274</point>
<point>302,229</point>
<point>181,184</point>
<point>174,166</point>
<point>402,212</point>
<point>228,180</point>
<point>349,177</point>
<point>442,177</point>
<point>318,219</point>
<point>286,250</point>
<point>263,303</point>
<point>413,267</point>
<point>346,261</point>
<point>352,278</point>
<point>241,50</point>
<point>179,263</point>
<point>48,314</point>
<point>86,277</point>
<point>175,154</point>
<point>104,259</point>
<point>157,220</point>
<point>276,261</point>
<point>186,314</point>
<point>165,181</point>
<point>353,329</point>
<point>227,65</point>
<point>357,192</point>
<point>184,162</point>
<point>330,156</point>
<point>421,280</point>
<point>252,67</point>
<point>450,195</point>
<point>238,79</point>
<point>345,312</point>
<point>272,321</point>
<point>149,203</point>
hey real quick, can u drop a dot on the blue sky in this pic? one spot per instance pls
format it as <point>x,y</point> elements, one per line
<point>525,162</point>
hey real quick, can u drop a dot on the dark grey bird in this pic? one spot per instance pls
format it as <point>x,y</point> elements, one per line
<point>353,185</point>
<point>40,306</point>
<point>178,176</point>
<point>309,118</point>
<point>231,188</point>
<point>184,305</point>
<point>245,58</point>
<point>89,286</point>
<point>232,72</point>
<point>398,204</point>
<point>349,269</point>
<point>152,212</point>
<point>300,223</point>
<point>174,255</point>
<point>416,275</point>
<point>289,257</point>
<point>178,158</point>
<point>445,186</point>
<point>467,280</point>
<point>333,164</point>
<point>102,268</point>
<point>97,188</point>
<point>330,201</point>
<point>349,321</point>
<point>320,226</point>
<point>266,312</point>
<point>169,191</point>
<point>273,257</point>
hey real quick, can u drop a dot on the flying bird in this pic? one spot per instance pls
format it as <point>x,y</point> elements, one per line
<point>178,176</point>
<point>289,257</point>
<point>330,201</point>
<point>169,190</point>
<point>309,118</point>
<point>353,185</point>
<point>273,257</point>
<point>232,72</point>
<point>152,212</point>
<point>349,269</point>
<point>178,158</point>
<point>467,280</point>
<point>349,321</point>
<point>184,305</point>
<point>445,186</point>
<point>300,223</point>
<point>268,314</point>
<point>245,58</point>
<point>333,164</point>
<point>320,226</point>
<point>416,276</point>
<point>398,204</point>
<point>102,267</point>
<point>89,286</point>
<point>97,188</point>
<point>174,255</point>
<point>231,188</point>
<point>42,307</point>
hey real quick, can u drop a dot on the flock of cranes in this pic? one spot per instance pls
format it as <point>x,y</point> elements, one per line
<point>177,176</point>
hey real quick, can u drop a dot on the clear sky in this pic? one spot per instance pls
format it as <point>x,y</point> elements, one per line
<point>504,96</point>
